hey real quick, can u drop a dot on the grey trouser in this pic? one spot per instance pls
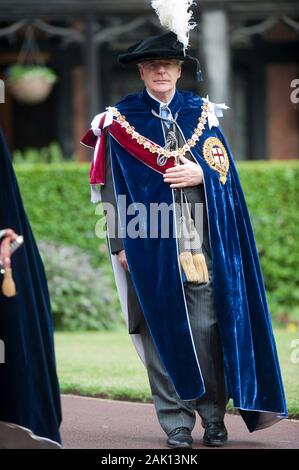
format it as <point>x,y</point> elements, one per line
<point>171,411</point>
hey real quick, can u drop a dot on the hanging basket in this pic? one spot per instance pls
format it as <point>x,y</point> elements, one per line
<point>30,84</point>
<point>31,90</point>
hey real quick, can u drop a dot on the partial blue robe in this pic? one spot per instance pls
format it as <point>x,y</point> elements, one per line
<point>30,412</point>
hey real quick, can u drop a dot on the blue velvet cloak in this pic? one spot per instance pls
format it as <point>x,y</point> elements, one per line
<point>29,391</point>
<point>252,372</point>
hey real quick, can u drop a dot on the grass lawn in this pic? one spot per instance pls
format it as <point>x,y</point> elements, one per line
<point>105,364</point>
<point>101,364</point>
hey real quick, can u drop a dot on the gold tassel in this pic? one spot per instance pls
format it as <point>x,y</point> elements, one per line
<point>200,265</point>
<point>186,261</point>
<point>8,285</point>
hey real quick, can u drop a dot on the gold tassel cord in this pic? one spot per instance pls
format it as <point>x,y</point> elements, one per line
<point>194,244</point>
<point>185,255</point>
<point>199,259</point>
<point>8,285</point>
<point>191,257</point>
<point>187,264</point>
<point>200,265</point>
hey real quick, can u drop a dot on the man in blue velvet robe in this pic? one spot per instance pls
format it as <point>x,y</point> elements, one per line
<point>204,336</point>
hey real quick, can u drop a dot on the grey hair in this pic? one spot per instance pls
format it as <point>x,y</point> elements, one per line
<point>180,62</point>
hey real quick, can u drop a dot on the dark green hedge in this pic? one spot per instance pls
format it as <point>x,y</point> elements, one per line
<point>58,204</point>
<point>57,199</point>
<point>272,193</point>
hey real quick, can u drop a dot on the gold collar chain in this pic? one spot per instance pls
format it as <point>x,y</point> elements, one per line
<point>157,149</point>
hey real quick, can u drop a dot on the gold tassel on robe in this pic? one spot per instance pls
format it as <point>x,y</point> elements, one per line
<point>186,260</point>
<point>8,285</point>
<point>200,265</point>
<point>191,257</point>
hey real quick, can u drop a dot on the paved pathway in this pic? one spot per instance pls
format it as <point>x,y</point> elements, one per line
<point>92,423</point>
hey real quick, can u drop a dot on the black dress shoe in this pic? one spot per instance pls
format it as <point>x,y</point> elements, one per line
<point>180,437</point>
<point>215,434</point>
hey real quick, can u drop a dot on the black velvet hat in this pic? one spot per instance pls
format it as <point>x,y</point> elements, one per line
<point>164,46</point>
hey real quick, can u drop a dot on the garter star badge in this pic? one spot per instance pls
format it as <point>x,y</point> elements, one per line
<point>216,156</point>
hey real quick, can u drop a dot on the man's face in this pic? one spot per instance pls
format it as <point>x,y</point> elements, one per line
<point>160,76</point>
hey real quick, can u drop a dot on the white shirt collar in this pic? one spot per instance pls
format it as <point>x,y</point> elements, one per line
<point>161,102</point>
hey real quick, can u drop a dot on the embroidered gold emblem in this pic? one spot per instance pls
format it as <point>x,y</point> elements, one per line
<point>216,156</point>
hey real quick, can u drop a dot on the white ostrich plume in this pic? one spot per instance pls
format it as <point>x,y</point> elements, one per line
<point>175,16</point>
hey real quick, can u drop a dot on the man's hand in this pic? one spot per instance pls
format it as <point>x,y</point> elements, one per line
<point>9,237</point>
<point>181,176</point>
<point>123,260</point>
